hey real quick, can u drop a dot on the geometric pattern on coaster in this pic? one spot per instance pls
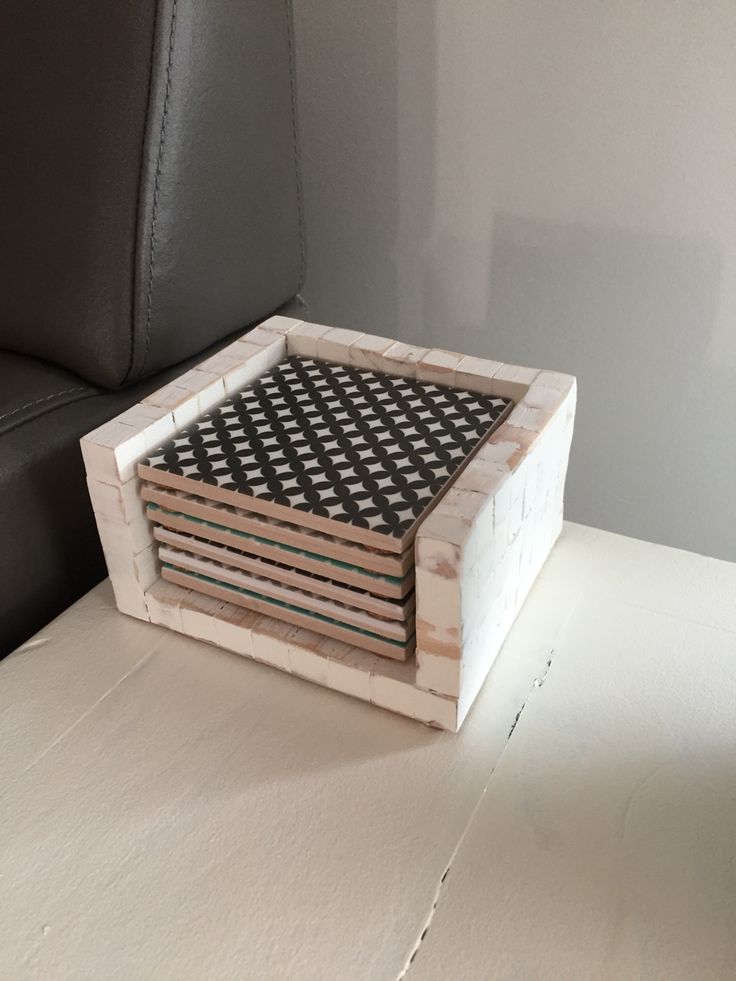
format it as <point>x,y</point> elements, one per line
<point>289,595</point>
<point>335,443</point>
<point>287,575</point>
<point>265,528</point>
<point>300,618</point>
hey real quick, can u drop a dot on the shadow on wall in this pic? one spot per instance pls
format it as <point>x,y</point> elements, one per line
<point>631,314</point>
<point>369,198</point>
<point>403,228</point>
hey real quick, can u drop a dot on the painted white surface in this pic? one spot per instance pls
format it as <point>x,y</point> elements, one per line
<point>545,183</point>
<point>604,845</point>
<point>177,812</point>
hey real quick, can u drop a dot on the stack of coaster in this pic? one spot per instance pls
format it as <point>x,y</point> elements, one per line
<point>299,497</point>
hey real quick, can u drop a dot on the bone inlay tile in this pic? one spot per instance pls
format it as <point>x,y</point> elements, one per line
<point>461,572</point>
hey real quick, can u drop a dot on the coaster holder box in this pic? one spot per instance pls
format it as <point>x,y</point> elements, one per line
<point>477,552</point>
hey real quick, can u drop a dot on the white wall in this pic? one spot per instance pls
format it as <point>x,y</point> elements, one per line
<point>547,182</point>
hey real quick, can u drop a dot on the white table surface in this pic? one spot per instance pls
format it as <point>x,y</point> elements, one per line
<point>172,811</point>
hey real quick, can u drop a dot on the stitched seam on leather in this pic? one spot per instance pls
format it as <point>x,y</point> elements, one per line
<point>51,408</point>
<point>304,305</point>
<point>138,203</point>
<point>156,183</point>
<point>295,138</point>
<point>46,398</point>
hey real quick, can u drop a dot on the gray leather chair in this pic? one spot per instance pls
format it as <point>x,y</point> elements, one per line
<point>150,211</point>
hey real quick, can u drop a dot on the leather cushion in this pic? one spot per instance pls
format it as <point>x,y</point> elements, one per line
<point>148,167</point>
<point>51,554</point>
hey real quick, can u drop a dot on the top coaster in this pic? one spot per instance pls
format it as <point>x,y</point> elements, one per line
<point>356,453</point>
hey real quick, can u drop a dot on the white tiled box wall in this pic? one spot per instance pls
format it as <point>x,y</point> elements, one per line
<point>477,553</point>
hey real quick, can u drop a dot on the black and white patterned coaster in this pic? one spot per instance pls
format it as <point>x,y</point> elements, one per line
<point>287,575</point>
<point>392,629</point>
<point>267,530</point>
<point>357,447</point>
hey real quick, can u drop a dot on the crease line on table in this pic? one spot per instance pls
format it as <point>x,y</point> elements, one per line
<point>537,682</point>
<point>88,711</point>
<point>659,611</point>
